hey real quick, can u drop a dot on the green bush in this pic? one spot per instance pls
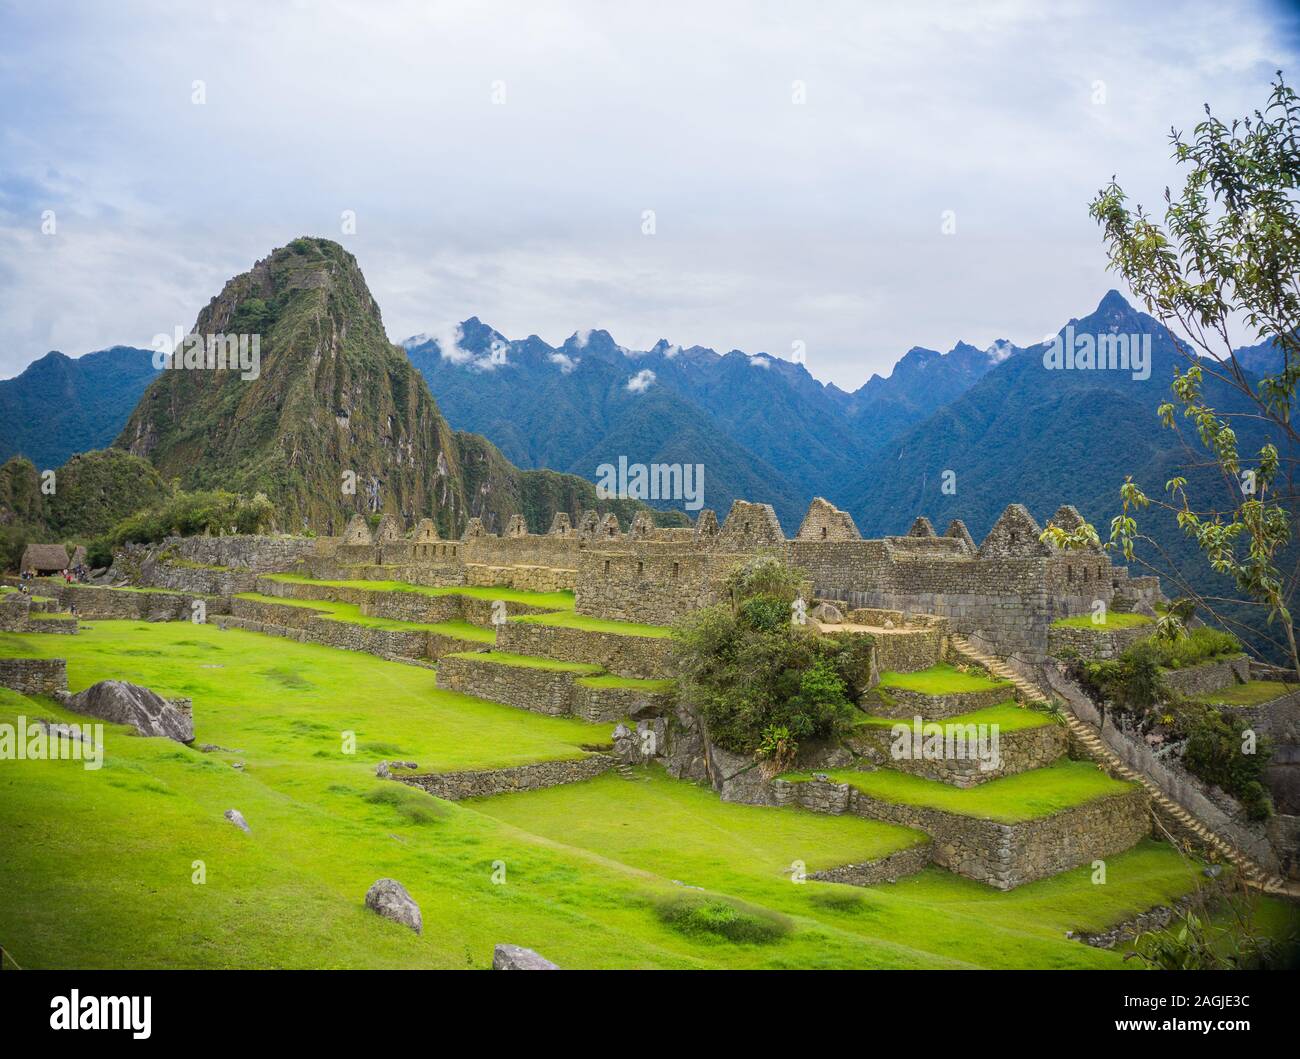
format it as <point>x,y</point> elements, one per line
<point>695,914</point>
<point>1214,752</point>
<point>189,514</point>
<point>1203,644</point>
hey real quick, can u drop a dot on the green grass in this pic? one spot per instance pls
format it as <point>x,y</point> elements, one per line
<point>1252,693</point>
<point>940,679</point>
<point>693,828</point>
<point>568,620</point>
<point>97,868</point>
<point>1114,619</point>
<point>1007,716</point>
<point>351,614</point>
<point>562,600</point>
<point>1011,799</point>
<point>506,658</point>
<point>608,680</point>
<point>464,630</point>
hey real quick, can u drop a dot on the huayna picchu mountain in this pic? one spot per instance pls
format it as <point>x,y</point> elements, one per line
<point>332,418</point>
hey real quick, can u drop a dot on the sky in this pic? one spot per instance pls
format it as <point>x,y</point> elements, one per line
<point>843,178</point>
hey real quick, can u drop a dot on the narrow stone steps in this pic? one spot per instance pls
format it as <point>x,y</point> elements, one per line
<point>1089,738</point>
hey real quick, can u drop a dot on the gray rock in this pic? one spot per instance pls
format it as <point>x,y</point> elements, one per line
<point>389,898</point>
<point>514,958</point>
<point>1145,609</point>
<point>827,614</point>
<point>237,818</point>
<point>144,710</point>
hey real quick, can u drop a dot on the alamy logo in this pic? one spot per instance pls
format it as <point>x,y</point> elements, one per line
<point>920,741</point>
<point>195,352</point>
<point>43,741</point>
<point>656,481</point>
<point>77,1012</point>
<point>1069,351</point>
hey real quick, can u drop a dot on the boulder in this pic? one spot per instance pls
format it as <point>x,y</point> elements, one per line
<point>237,818</point>
<point>827,614</point>
<point>514,958</point>
<point>389,898</point>
<point>144,710</point>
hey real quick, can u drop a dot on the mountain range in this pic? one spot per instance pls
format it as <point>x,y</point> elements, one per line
<point>948,435</point>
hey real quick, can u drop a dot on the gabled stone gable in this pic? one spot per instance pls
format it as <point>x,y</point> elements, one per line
<point>1014,536</point>
<point>825,522</point>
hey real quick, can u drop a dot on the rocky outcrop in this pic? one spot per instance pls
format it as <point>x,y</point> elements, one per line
<point>144,710</point>
<point>514,958</point>
<point>237,818</point>
<point>389,898</point>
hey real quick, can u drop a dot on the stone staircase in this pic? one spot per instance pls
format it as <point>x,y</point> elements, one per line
<point>1089,739</point>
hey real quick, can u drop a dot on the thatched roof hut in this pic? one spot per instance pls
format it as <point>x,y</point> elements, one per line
<point>50,558</point>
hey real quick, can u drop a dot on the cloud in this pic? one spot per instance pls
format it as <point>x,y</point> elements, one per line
<point>759,362</point>
<point>566,363</point>
<point>641,381</point>
<point>909,113</point>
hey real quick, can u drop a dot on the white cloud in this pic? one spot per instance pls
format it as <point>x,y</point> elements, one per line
<point>448,337</point>
<point>759,362</point>
<point>641,381</point>
<point>910,113</point>
<point>566,363</point>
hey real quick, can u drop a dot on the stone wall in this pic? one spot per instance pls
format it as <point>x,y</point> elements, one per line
<point>628,656</point>
<point>1000,855</point>
<point>908,649</point>
<point>262,554</point>
<point>600,704</point>
<point>1210,676</point>
<point>902,703</point>
<point>546,691</point>
<point>1094,643</point>
<point>199,580</point>
<point>484,783</point>
<point>1019,751</point>
<point>887,869</point>
<point>34,676</point>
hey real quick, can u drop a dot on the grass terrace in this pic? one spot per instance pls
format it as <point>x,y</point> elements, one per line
<point>940,679</point>
<point>351,613</point>
<point>1008,716</point>
<point>588,865</point>
<point>1009,800</point>
<point>562,600</point>
<point>694,829</point>
<point>569,620</point>
<point>1252,693</point>
<point>506,658</point>
<point>1112,619</point>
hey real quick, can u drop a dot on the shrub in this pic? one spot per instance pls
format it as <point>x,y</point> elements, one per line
<point>1214,752</point>
<point>695,914</point>
<point>1203,644</point>
<point>188,514</point>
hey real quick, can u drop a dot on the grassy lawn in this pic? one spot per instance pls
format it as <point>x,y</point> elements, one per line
<point>506,658</point>
<point>569,620</point>
<point>1252,693</point>
<point>1114,619</point>
<point>97,868</point>
<point>296,699</point>
<point>694,828</point>
<point>1024,796</point>
<point>940,679</point>
<point>1007,716</point>
<point>552,600</point>
<point>608,680</point>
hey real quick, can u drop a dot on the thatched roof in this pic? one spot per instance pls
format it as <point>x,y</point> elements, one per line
<point>45,557</point>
